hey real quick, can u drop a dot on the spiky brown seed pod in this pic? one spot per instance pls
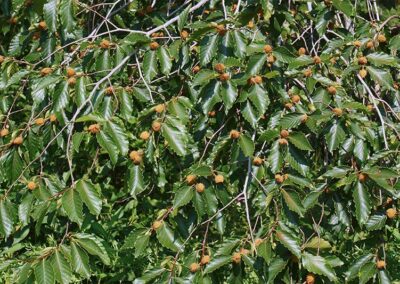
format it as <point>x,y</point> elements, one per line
<point>362,177</point>
<point>136,157</point>
<point>219,67</point>
<point>144,135</point>
<point>105,44</point>
<point>1,59</point>
<point>4,132</point>
<point>254,80</point>
<point>212,113</point>
<point>283,141</point>
<point>295,99</point>
<point>46,71</point>
<point>271,59</point>
<point>307,72</point>
<point>370,107</point>
<point>191,179</point>
<point>236,258</point>
<point>219,179</point>
<point>304,118</point>
<point>71,81</point>
<point>363,73</point>
<point>288,105</point>
<point>391,213</point>
<point>370,44</point>
<point>234,134</point>
<point>200,187</point>
<point>156,126</point>
<point>196,69</point>
<point>39,121</point>
<point>42,25</point>
<point>184,34</point>
<point>331,90</point>
<point>154,45</point>
<point>310,279</point>
<point>267,48</point>
<point>362,60</point>
<point>18,140</point>
<point>224,77</point>
<point>194,267</point>
<point>31,185</point>
<point>94,128</point>
<point>156,225</point>
<point>221,30</point>
<point>317,60</point>
<point>284,133</point>
<point>279,178</point>
<point>70,72</point>
<point>301,51</point>
<point>159,108</point>
<point>258,242</point>
<point>380,264</point>
<point>205,260</point>
<point>53,118</point>
<point>109,91</point>
<point>357,43</point>
<point>381,38</point>
<point>257,161</point>
<point>337,111</point>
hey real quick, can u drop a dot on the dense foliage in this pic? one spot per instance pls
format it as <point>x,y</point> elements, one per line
<point>199,141</point>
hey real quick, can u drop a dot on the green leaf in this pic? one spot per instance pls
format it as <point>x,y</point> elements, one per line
<point>362,202</point>
<point>118,136</point>
<point>239,40</point>
<point>367,271</point>
<point>228,94</point>
<point>149,275</point>
<point>183,17</point>
<point>80,261</point>
<point>150,65</point>
<point>61,96</point>
<point>300,141</point>
<point>72,204</point>
<point>318,265</point>
<point>67,15</point>
<point>259,97</point>
<point>106,143</point>
<point>165,60</point>
<point>183,196</point>
<point>275,267</point>
<point>376,222</point>
<point>44,272</point>
<point>203,77</point>
<point>381,77</point>
<point>61,268</point>
<point>208,48</point>
<point>92,245</point>
<point>176,135</point>
<point>300,61</point>
<point>380,58</point>
<point>135,183</point>
<point>344,6</point>
<point>293,201</point>
<point>216,263</point>
<point>384,277</point>
<point>255,64</point>
<point>317,243</point>
<point>168,238</point>
<point>90,196</point>
<point>6,217</point>
<point>275,158</point>
<point>289,241</point>
<point>50,14</point>
<point>250,114</point>
<point>335,136</point>
<point>247,145</point>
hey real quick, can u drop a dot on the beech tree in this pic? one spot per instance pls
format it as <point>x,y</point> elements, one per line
<point>199,141</point>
